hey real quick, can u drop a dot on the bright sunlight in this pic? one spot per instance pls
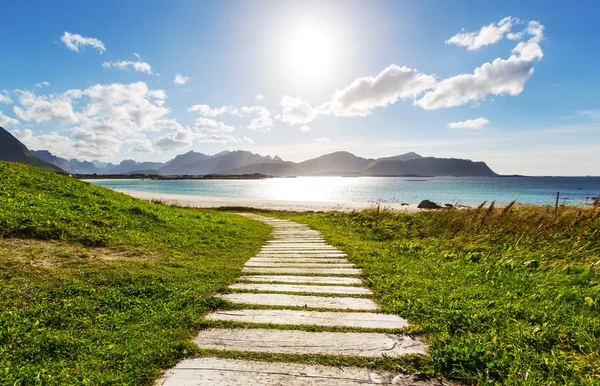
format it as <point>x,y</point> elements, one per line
<point>311,51</point>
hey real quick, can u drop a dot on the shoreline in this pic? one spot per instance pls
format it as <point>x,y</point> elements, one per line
<point>92,180</point>
<point>192,201</point>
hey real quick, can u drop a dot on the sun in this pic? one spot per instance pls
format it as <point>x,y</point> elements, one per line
<point>310,52</point>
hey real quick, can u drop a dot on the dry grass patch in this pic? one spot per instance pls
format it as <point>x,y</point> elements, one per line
<point>52,254</point>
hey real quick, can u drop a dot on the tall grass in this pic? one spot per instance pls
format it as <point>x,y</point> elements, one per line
<point>506,295</point>
<point>507,223</point>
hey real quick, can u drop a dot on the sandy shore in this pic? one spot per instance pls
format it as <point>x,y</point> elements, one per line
<point>107,179</point>
<point>298,206</point>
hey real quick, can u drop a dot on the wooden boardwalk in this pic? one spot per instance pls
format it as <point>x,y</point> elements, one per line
<point>297,279</point>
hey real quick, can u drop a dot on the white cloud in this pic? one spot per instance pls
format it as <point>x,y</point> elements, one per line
<point>57,144</point>
<point>592,114</point>
<point>304,128</point>
<point>469,124</point>
<point>42,84</point>
<point>145,149</point>
<point>185,138</point>
<point>75,41</point>
<point>364,94</point>
<point>107,116</point>
<point>177,140</point>
<point>502,76</point>
<point>162,124</point>
<point>263,122</point>
<point>90,144</point>
<point>5,98</point>
<point>296,111</point>
<point>223,138</point>
<point>487,35</point>
<point>531,49</point>
<point>53,108</point>
<point>322,139</point>
<point>207,111</point>
<point>143,145</point>
<point>515,35</point>
<point>181,79</point>
<point>208,124</point>
<point>7,121</point>
<point>260,97</point>
<point>138,66</point>
<point>126,108</point>
<point>72,94</point>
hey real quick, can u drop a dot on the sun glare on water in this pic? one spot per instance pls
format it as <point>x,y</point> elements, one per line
<point>309,189</point>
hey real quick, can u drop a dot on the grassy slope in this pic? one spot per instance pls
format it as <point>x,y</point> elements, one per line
<point>86,320</point>
<point>504,297</point>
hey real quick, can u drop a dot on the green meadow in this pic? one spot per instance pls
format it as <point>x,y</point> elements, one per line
<point>97,287</point>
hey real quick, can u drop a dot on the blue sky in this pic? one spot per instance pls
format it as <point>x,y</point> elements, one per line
<point>512,83</point>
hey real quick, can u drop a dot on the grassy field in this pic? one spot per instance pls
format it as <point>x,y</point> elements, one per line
<point>97,287</point>
<point>505,296</point>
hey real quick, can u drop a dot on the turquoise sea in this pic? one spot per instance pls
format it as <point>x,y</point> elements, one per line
<point>465,190</point>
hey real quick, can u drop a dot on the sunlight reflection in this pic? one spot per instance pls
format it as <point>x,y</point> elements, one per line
<point>319,189</point>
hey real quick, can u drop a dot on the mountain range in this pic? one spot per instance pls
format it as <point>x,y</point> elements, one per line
<point>245,162</point>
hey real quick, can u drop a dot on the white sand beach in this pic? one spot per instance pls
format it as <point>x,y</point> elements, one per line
<point>298,206</point>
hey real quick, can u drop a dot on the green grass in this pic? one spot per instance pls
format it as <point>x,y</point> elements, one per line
<point>99,288</point>
<point>504,296</point>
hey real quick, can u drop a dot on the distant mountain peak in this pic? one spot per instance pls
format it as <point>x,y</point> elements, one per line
<point>336,162</point>
<point>99,164</point>
<point>402,157</point>
<point>411,154</point>
<point>342,152</point>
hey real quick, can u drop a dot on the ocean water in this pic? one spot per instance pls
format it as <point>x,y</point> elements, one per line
<point>465,190</point>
